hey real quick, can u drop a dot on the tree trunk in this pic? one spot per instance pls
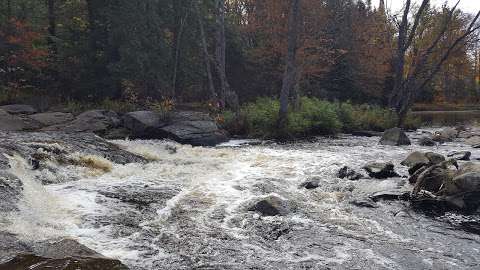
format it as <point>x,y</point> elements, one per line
<point>227,96</point>
<point>177,44</point>
<point>206,55</point>
<point>291,63</point>
<point>9,9</point>
<point>52,29</point>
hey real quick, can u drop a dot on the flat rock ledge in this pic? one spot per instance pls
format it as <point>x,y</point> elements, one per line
<point>187,127</point>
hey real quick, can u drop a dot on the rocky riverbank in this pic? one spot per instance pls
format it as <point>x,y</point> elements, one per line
<point>189,127</point>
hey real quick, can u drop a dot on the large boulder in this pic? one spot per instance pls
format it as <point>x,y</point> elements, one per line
<point>144,124</point>
<point>63,255</point>
<point>381,170</point>
<point>96,121</point>
<point>52,118</point>
<point>445,135</point>
<point>195,128</point>
<point>18,109</point>
<point>9,122</point>
<point>419,161</point>
<point>395,137</point>
<point>473,141</point>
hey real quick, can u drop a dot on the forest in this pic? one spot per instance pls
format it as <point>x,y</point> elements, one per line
<point>236,55</point>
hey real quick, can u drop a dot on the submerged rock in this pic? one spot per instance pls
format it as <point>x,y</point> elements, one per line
<point>348,173</point>
<point>380,170</point>
<point>271,206</point>
<point>461,155</point>
<point>367,203</point>
<point>390,195</point>
<point>395,137</point>
<point>311,183</point>
<point>426,141</point>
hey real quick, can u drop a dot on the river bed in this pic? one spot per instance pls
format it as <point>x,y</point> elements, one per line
<point>188,209</point>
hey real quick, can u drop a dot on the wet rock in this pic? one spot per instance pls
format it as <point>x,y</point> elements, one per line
<point>462,155</point>
<point>367,203</point>
<point>117,134</point>
<point>415,159</point>
<point>9,122</point>
<point>425,141</point>
<point>348,173</point>
<point>144,124</point>
<point>311,183</point>
<point>380,170</point>
<point>390,195</point>
<point>445,135</point>
<point>435,158</point>
<point>52,118</point>
<point>271,206</point>
<point>473,141</point>
<point>395,137</point>
<point>63,255</point>
<point>468,168</point>
<point>195,128</point>
<point>59,147</point>
<point>96,121</point>
<point>18,109</point>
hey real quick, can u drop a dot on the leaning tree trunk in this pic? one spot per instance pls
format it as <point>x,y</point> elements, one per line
<point>289,77</point>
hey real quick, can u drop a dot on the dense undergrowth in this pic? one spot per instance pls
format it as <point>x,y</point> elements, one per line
<point>313,117</point>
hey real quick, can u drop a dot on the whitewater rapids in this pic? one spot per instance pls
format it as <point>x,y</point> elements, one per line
<point>187,209</point>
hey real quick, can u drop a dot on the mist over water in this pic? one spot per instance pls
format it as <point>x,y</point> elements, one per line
<point>188,209</point>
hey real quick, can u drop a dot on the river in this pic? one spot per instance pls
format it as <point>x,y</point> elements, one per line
<point>188,209</point>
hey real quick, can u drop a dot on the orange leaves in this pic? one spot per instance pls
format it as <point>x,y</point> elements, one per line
<point>20,40</point>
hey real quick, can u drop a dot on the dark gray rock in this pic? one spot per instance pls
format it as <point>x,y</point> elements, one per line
<point>390,195</point>
<point>271,206</point>
<point>348,173</point>
<point>395,137</point>
<point>460,155</point>
<point>52,118</point>
<point>96,121</point>
<point>9,122</point>
<point>144,124</point>
<point>380,170</point>
<point>10,190</point>
<point>311,183</point>
<point>195,128</point>
<point>367,203</point>
<point>18,109</point>
<point>426,141</point>
<point>415,159</point>
<point>63,255</point>
<point>435,158</point>
<point>473,141</point>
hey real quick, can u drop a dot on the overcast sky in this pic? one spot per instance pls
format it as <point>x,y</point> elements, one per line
<point>471,6</point>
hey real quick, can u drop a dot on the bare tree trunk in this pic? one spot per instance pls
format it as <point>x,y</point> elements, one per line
<point>177,45</point>
<point>227,96</point>
<point>206,55</point>
<point>52,29</point>
<point>9,9</point>
<point>291,63</point>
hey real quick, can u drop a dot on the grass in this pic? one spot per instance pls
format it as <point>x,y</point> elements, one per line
<point>314,117</point>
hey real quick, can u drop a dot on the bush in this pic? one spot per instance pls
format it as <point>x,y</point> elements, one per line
<point>314,117</point>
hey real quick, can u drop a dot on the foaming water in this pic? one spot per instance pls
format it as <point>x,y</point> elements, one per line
<point>188,209</point>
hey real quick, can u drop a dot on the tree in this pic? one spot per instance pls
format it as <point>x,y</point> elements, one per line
<point>408,82</point>
<point>290,74</point>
